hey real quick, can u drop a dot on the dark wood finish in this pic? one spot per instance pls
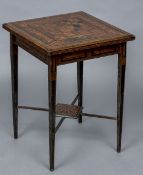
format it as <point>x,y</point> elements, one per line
<point>120,93</point>
<point>32,49</point>
<point>52,74</point>
<point>58,111</point>
<point>99,116</point>
<point>75,99</point>
<point>80,86</point>
<point>63,118</point>
<point>65,39</point>
<point>60,123</point>
<point>14,81</point>
<point>64,113</point>
<point>80,36</point>
<point>87,54</point>
<point>33,108</point>
<point>45,109</point>
<point>71,111</point>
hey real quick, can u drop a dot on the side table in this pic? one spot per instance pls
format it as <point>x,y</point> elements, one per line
<point>65,39</point>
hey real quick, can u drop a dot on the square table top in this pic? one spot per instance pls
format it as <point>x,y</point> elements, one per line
<point>66,32</point>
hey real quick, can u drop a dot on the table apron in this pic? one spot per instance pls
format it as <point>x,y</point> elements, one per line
<point>86,54</point>
<point>32,49</point>
<point>69,57</point>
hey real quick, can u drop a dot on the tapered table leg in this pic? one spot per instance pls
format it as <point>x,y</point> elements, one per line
<point>52,112</point>
<point>14,80</point>
<point>120,92</point>
<point>80,85</point>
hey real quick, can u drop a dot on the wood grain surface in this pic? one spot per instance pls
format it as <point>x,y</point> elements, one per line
<point>64,33</point>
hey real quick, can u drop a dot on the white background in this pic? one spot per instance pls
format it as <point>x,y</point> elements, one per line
<point>84,149</point>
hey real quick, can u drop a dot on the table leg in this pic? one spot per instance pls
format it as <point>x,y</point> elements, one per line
<point>80,85</point>
<point>120,92</point>
<point>14,81</point>
<point>52,112</point>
